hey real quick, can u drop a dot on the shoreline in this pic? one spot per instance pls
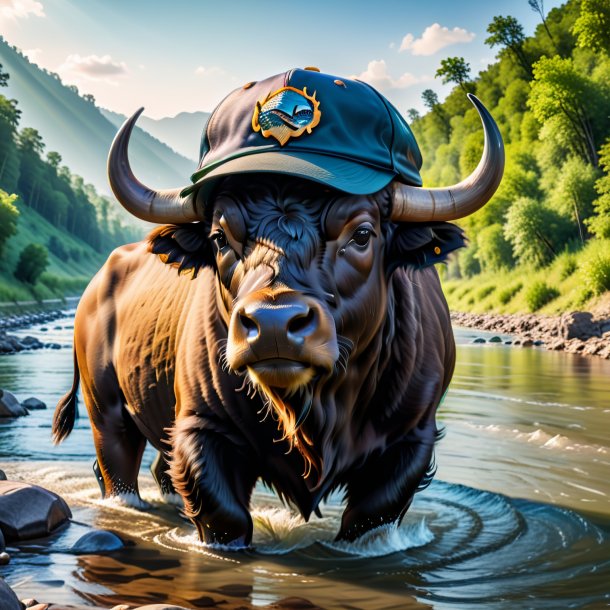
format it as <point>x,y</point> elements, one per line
<point>576,332</point>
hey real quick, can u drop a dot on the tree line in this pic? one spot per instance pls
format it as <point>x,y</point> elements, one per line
<point>43,184</point>
<point>550,95</point>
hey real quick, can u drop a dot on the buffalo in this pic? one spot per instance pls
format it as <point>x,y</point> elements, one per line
<point>285,320</point>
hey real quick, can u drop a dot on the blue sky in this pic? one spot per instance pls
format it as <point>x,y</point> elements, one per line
<point>186,56</point>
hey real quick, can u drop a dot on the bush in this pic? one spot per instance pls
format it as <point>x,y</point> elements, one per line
<point>539,294</point>
<point>567,264</point>
<point>506,295</point>
<point>485,292</point>
<point>8,217</point>
<point>595,272</point>
<point>56,247</point>
<point>33,260</point>
<point>493,251</point>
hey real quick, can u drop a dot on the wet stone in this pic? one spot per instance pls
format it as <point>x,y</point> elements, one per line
<point>9,405</point>
<point>32,404</point>
<point>28,511</point>
<point>495,339</point>
<point>98,541</point>
<point>8,599</point>
<point>2,475</point>
<point>479,340</point>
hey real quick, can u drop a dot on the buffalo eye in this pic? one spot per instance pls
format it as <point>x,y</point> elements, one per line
<point>361,237</point>
<point>220,239</point>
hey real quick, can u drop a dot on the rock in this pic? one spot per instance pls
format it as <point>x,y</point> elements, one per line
<point>508,342</point>
<point>97,541</point>
<point>479,340</point>
<point>8,599</point>
<point>5,558</point>
<point>52,345</point>
<point>9,405</point>
<point>579,325</point>
<point>538,342</point>
<point>527,343</point>
<point>28,511</point>
<point>2,475</point>
<point>30,343</point>
<point>495,339</point>
<point>32,404</point>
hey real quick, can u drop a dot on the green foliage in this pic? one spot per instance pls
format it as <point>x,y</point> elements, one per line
<point>9,215</point>
<point>485,292</point>
<point>535,231</point>
<point>592,28</point>
<point>506,295</point>
<point>454,70</point>
<point>538,294</point>
<point>560,91</point>
<point>595,272</point>
<point>493,251</point>
<point>567,264</point>
<point>507,32</point>
<point>33,260</point>
<point>599,224</point>
<point>468,262</point>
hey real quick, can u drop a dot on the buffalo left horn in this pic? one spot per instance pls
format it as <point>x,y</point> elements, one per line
<point>165,206</point>
<point>416,204</point>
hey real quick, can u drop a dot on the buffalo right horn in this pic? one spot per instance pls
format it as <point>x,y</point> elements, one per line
<point>416,204</point>
<point>165,206</point>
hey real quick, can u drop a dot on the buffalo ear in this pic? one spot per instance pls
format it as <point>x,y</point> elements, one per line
<point>419,245</point>
<point>184,246</point>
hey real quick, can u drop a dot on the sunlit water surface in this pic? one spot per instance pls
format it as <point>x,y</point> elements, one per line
<point>518,516</point>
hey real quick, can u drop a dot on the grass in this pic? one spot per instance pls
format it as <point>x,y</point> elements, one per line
<point>575,280</point>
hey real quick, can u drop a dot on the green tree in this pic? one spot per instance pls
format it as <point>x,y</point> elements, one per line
<point>4,76</point>
<point>536,232</point>
<point>592,28</point>
<point>454,70</point>
<point>33,260</point>
<point>430,99</point>
<point>560,91</point>
<point>9,155</point>
<point>9,215</point>
<point>507,32</point>
<point>599,223</point>
<point>538,7</point>
<point>574,192</point>
<point>413,115</point>
<point>493,251</point>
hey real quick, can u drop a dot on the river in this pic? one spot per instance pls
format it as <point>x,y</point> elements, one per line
<point>518,515</point>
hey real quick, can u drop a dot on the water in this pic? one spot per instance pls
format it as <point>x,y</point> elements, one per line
<point>518,516</point>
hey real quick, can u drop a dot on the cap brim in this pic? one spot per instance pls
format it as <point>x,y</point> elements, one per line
<point>344,175</point>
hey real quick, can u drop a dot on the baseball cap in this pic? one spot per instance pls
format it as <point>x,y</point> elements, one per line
<point>336,131</point>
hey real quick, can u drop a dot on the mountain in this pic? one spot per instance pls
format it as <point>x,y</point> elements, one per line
<point>76,128</point>
<point>181,132</point>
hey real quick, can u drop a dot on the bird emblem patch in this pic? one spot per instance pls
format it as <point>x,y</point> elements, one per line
<point>286,113</point>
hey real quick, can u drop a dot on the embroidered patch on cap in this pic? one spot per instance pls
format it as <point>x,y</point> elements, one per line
<point>286,113</point>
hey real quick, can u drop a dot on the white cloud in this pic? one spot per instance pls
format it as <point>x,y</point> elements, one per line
<point>209,71</point>
<point>92,68</point>
<point>377,75</point>
<point>434,38</point>
<point>11,10</point>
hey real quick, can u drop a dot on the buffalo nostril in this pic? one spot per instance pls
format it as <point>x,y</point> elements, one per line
<point>302,325</point>
<point>249,325</point>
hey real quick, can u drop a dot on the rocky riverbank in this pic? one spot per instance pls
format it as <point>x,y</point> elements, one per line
<point>577,332</point>
<point>10,344</point>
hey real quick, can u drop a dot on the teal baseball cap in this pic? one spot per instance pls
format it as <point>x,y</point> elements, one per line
<point>339,132</point>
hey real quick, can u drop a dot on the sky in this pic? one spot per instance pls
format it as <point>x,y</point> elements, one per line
<point>178,56</point>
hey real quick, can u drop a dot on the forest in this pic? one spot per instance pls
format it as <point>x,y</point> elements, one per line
<point>79,228</point>
<point>543,242</point>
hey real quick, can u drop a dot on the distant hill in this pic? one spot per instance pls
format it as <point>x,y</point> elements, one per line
<point>181,132</point>
<point>77,129</point>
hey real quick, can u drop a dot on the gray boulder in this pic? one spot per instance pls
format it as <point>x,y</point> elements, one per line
<point>579,325</point>
<point>28,511</point>
<point>98,541</point>
<point>9,405</point>
<point>8,599</point>
<point>32,404</point>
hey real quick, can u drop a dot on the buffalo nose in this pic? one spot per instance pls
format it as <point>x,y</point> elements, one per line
<point>293,321</point>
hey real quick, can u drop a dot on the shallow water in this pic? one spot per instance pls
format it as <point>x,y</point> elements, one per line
<point>518,516</point>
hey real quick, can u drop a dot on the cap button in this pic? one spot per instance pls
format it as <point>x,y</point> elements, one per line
<point>340,83</point>
<point>312,68</point>
<point>248,85</point>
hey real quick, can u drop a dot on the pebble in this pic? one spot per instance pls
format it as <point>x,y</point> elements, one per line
<point>97,541</point>
<point>479,340</point>
<point>4,558</point>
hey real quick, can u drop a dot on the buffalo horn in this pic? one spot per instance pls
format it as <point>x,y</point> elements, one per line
<point>416,204</point>
<point>164,206</point>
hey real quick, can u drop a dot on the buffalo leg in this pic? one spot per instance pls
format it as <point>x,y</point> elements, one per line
<point>159,469</point>
<point>119,445</point>
<point>382,490</point>
<point>215,478</point>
